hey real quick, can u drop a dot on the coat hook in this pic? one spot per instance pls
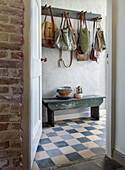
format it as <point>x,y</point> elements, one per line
<point>44,6</point>
<point>80,12</point>
<point>97,18</point>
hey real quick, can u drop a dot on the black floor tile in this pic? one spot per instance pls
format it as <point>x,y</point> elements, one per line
<point>61,144</point>
<point>73,156</point>
<point>87,133</point>
<point>84,139</point>
<point>90,128</point>
<point>39,148</point>
<point>58,129</point>
<point>45,163</point>
<point>72,131</point>
<point>79,147</point>
<point>45,141</point>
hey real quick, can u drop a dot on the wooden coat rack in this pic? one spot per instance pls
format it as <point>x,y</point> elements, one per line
<point>57,12</point>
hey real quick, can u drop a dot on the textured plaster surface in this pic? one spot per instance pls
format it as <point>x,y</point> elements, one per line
<point>88,74</point>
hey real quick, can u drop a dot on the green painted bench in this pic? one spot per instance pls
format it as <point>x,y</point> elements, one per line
<point>54,104</point>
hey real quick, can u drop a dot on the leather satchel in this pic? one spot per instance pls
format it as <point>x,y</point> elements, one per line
<point>84,36</point>
<point>48,31</point>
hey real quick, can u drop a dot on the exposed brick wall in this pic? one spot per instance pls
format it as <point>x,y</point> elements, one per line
<point>11,83</point>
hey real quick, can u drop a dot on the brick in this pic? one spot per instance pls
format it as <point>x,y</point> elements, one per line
<point>17,55</point>
<point>10,135</point>
<point>10,118</point>
<point>16,108</point>
<point>3,37</point>
<point>16,38</point>
<point>11,28</point>
<point>16,126</point>
<point>11,98</point>
<point>4,163</point>
<point>3,2</point>
<point>10,11</point>
<point>16,4</point>
<point>4,89</point>
<point>10,81</point>
<point>17,21</point>
<point>4,145</point>
<point>11,64</point>
<point>17,161</point>
<point>9,154</point>
<point>3,54</point>
<point>4,108</point>
<point>13,2</point>
<point>16,144</point>
<point>17,90</point>
<point>4,72</point>
<point>17,73</point>
<point>4,126</point>
<point>4,19</point>
<point>10,46</point>
<point>13,168</point>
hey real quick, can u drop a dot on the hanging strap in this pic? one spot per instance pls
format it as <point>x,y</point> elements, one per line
<point>83,19</point>
<point>61,60</point>
<point>98,23</point>
<point>52,20</point>
<point>67,19</point>
<point>93,32</point>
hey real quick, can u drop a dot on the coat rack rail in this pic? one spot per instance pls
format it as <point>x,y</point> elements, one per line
<point>57,12</point>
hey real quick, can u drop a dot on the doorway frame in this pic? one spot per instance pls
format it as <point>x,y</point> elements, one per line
<point>110,102</point>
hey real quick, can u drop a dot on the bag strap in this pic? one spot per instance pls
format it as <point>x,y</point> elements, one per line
<point>52,20</point>
<point>98,23</point>
<point>61,60</point>
<point>93,32</point>
<point>83,19</point>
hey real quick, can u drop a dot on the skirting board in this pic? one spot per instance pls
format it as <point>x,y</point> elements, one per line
<point>119,157</point>
<point>76,115</point>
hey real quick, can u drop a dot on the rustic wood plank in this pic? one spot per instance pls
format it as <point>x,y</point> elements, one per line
<point>66,105</point>
<point>57,12</point>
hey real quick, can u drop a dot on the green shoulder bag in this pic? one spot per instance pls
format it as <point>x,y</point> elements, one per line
<point>84,36</point>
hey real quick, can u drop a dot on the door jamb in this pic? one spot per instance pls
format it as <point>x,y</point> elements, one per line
<point>26,92</point>
<point>110,138</point>
<point>110,86</point>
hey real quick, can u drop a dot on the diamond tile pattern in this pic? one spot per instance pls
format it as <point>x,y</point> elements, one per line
<point>71,140</point>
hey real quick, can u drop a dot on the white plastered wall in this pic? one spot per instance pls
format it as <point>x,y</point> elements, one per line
<point>88,74</point>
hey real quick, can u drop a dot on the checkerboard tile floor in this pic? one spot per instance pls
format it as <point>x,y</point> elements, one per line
<point>71,140</point>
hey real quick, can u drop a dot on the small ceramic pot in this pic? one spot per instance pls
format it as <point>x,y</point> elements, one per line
<point>64,91</point>
<point>78,95</point>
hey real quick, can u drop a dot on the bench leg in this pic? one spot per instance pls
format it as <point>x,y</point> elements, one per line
<point>50,117</point>
<point>95,112</point>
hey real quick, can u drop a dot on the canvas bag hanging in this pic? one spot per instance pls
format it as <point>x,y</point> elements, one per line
<point>48,31</point>
<point>84,36</point>
<point>100,44</point>
<point>64,37</point>
<point>94,53</point>
<point>79,54</point>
